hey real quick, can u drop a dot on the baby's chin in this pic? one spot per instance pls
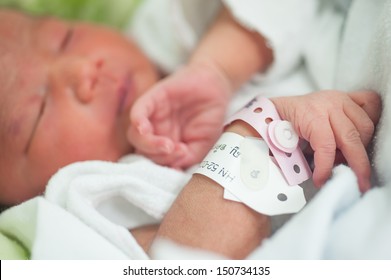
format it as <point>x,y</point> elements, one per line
<point>18,197</point>
<point>126,147</point>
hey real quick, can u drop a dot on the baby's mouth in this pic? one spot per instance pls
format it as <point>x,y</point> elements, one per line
<point>124,92</point>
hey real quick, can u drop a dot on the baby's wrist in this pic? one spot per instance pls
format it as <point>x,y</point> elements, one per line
<point>242,128</point>
<point>210,66</point>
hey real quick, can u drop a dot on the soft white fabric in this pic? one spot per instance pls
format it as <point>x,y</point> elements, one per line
<point>95,198</point>
<point>295,29</point>
<point>168,30</point>
<point>336,224</point>
<point>377,75</point>
<point>48,231</point>
<point>357,47</point>
<point>284,26</point>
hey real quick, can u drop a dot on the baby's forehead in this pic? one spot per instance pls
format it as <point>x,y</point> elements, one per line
<point>7,70</point>
<point>15,48</point>
<point>9,16</point>
<point>5,107</point>
<point>14,26</point>
<point>11,61</point>
<point>18,58</point>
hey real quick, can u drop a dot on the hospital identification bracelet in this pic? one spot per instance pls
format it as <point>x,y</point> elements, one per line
<point>282,140</point>
<point>247,172</point>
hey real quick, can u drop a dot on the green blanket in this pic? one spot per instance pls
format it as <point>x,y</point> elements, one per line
<point>115,13</point>
<point>10,249</point>
<point>14,221</point>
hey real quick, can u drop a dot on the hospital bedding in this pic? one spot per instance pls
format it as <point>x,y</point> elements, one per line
<point>75,220</point>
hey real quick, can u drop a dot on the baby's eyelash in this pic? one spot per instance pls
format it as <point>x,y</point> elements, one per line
<point>42,108</point>
<point>44,93</point>
<point>67,38</point>
<point>40,113</point>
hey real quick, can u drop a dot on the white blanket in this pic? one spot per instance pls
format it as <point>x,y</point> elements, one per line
<point>89,206</point>
<point>337,224</point>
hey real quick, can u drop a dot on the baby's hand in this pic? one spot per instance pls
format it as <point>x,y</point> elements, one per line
<point>334,122</point>
<point>177,121</point>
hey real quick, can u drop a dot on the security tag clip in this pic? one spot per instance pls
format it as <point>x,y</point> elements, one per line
<point>280,137</point>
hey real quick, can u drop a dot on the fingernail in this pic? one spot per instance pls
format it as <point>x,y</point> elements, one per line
<point>364,184</point>
<point>167,147</point>
<point>143,129</point>
<point>181,149</point>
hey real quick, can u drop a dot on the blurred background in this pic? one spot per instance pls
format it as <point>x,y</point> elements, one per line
<point>115,13</point>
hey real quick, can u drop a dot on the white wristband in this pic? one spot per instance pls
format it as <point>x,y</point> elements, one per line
<point>243,167</point>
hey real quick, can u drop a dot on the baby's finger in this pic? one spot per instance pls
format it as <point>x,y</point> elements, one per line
<point>191,153</point>
<point>149,105</point>
<point>149,143</point>
<point>142,110</point>
<point>140,123</point>
<point>370,102</point>
<point>349,143</point>
<point>185,157</point>
<point>141,126</point>
<point>324,146</point>
<point>166,159</point>
<point>361,120</point>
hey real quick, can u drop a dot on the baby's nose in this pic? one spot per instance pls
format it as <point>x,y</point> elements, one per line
<point>85,77</point>
<point>77,75</point>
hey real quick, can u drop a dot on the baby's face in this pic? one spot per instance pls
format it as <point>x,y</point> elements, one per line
<point>65,95</point>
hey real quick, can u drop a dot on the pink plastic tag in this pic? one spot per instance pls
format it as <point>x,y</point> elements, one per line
<point>280,137</point>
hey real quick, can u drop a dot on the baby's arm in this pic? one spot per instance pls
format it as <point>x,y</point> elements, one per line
<point>144,235</point>
<point>177,121</point>
<point>201,218</point>
<point>236,51</point>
